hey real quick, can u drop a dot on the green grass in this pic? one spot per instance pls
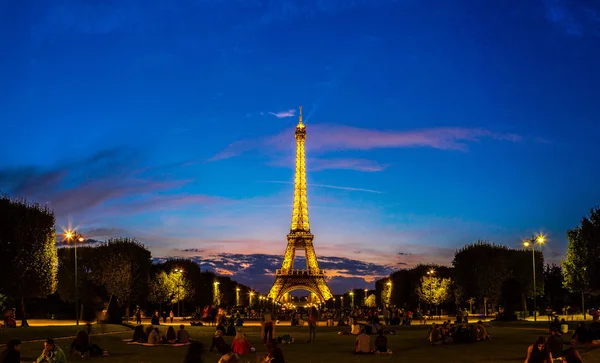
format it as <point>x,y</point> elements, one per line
<point>509,343</point>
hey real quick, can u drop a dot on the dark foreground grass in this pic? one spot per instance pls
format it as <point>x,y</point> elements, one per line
<point>509,343</point>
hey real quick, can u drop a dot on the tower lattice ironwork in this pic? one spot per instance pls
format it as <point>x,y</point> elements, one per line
<point>312,278</point>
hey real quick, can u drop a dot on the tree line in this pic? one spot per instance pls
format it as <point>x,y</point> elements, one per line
<point>115,275</point>
<point>491,276</point>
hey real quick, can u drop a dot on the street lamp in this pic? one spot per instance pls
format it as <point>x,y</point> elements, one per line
<point>431,273</point>
<point>540,239</point>
<point>352,299</point>
<point>237,296</point>
<point>72,236</point>
<point>366,292</point>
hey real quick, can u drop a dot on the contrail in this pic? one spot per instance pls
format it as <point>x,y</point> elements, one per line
<point>325,186</point>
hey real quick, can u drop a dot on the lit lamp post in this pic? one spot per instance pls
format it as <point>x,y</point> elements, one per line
<point>366,292</point>
<point>389,291</point>
<point>334,303</point>
<point>72,236</point>
<point>531,242</point>
<point>351,299</point>
<point>237,296</point>
<point>431,273</point>
<point>251,296</point>
<point>180,272</point>
<point>342,302</point>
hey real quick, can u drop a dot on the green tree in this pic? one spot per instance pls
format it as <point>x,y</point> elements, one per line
<point>182,287</point>
<point>575,265</point>
<point>480,269</point>
<point>161,289</point>
<point>122,267</point>
<point>371,301</point>
<point>28,262</point>
<point>555,293</point>
<point>521,269</point>
<point>434,290</point>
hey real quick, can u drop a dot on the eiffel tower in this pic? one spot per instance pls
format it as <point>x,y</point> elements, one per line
<point>312,278</point>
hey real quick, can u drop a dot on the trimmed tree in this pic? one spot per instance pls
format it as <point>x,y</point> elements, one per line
<point>434,290</point>
<point>575,266</point>
<point>28,262</point>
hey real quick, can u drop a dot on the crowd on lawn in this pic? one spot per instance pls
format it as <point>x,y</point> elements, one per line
<point>543,350</point>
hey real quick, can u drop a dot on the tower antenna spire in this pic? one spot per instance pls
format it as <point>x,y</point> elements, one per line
<point>300,122</point>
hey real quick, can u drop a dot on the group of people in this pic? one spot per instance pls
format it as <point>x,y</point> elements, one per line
<point>52,353</point>
<point>151,335</point>
<point>240,345</point>
<point>448,333</point>
<point>551,349</point>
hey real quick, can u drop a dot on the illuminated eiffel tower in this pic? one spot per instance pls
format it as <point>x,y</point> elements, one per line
<point>312,278</point>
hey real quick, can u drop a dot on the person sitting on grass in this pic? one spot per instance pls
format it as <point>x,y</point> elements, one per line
<point>229,357</point>
<point>538,352</point>
<point>435,336</point>
<point>231,330</point>
<point>147,331</point>
<point>219,343</point>
<point>221,327</point>
<point>381,343</point>
<point>12,353</point>
<point>183,337</point>
<point>239,322</point>
<point>240,345</point>
<point>154,337</point>
<point>81,346</point>
<point>482,333</point>
<point>363,343</point>
<point>194,353</point>
<point>581,335</point>
<point>52,353</point>
<point>138,335</point>
<point>171,337</point>
<point>555,343</point>
<point>564,327</point>
<point>274,354</point>
<point>571,355</point>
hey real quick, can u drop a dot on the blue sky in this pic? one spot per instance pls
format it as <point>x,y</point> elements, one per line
<point>429,125</point>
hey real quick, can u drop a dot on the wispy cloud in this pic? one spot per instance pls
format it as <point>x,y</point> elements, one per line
<point>284,114</point>
<point>317,164</point>
<point>325,138</point>
<point>326,186</point>
<point>103,183</point>
<point>257,270</point>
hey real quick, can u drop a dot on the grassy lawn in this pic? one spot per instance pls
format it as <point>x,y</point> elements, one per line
<point>509,343</point>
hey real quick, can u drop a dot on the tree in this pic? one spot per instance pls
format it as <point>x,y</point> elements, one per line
<point>575,265</point>
<point>28,262</point>
<point>555,293</point>
<point>122,267</point>
<point>371,301</point>
<point>434,290</point>
<point>521,269</point>
<point>480,269</point>
<point>161,289</point>
<point>183,288</point>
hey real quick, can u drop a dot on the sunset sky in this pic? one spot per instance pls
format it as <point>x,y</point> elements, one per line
<point>429,126</point>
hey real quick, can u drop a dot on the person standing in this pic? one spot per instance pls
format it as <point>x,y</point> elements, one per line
<point>267,327</point>
<point>138,315</point>
<point>313,319</point>
<point>171,315</point>
<point>386,316</point>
